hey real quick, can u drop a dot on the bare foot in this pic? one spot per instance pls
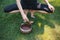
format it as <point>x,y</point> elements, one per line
<point>33,16</point>
<point>31,22</point>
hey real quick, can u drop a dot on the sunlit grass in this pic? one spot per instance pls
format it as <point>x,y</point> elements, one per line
<point>48,35</point>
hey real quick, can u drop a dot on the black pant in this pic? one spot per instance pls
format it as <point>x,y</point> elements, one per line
<point>13,7</point>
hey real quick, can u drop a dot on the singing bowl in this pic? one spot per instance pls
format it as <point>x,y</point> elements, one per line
<point>25,28</point>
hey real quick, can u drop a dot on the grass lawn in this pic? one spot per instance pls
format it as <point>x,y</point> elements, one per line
<point>46,26</point>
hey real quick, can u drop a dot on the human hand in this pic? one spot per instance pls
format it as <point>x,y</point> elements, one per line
<point>51,7</point>
<point>25,19</point>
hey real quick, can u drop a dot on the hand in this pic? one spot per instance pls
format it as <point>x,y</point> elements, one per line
<point>25,19</point>
<point>51,7</point>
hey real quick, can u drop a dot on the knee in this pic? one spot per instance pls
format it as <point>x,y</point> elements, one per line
<point>6,10</point>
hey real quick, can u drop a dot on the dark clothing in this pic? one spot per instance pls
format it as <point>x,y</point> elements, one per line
<point>28,4</point>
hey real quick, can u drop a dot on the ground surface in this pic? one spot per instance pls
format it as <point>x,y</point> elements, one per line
<point>46,26</point>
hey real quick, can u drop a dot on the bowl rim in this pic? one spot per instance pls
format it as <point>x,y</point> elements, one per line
<point>25,31</point>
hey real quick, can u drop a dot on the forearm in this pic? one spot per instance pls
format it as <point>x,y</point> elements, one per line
<point>20,9</point>
<point>19,6</point>
<point>50,6</point>
<point>46,2</point>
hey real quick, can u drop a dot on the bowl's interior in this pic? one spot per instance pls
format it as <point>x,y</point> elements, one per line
<point>26,26</point>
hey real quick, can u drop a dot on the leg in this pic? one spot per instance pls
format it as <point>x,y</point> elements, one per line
<point>26,11</point>
<point>44,8</point>
<point>11,8</point>
<point>15,11</point>
<point>32,13</point>
<point>40,11</point>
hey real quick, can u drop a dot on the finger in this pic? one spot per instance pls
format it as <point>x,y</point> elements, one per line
<point>51,9</point>
<point>26,20</point>
<point>31,22</point>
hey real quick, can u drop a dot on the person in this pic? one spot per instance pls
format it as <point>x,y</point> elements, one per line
<point>32,5</point>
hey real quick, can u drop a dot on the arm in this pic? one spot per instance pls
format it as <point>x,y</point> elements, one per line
<point>46,2</point>
<point>50,6</point>
<point>21,10</point>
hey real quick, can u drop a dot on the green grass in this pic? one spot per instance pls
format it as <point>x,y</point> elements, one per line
<point>46,26</point>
